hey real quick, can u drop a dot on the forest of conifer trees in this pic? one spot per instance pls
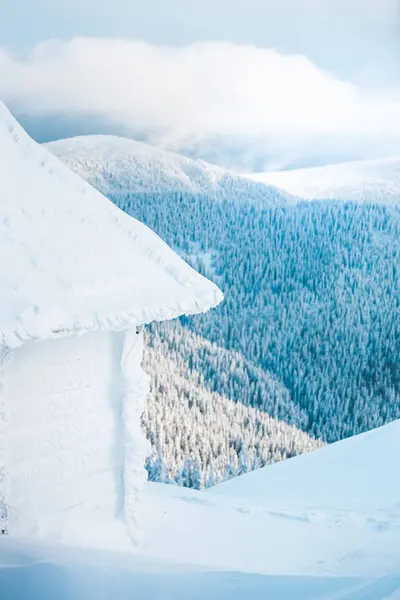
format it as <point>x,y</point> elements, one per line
<point>304,349</point>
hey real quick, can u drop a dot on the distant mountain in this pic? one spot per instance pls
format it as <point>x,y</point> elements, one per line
<point>112,163</point>
<point>361,181</point>
<point>238,152</point>
<point>312,288</point>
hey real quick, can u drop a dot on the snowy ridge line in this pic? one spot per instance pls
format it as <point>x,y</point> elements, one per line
<point>196,294</point>
<point>374,180</point>
<point>140,168</point>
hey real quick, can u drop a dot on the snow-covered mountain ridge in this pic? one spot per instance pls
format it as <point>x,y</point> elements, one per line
<point>111,162</point>
<point>361,181</point>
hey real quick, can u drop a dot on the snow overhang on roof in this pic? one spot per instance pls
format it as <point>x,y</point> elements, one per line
<point>71,261</point>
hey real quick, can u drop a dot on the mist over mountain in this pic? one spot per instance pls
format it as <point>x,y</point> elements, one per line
<point>251,109</point>
<point>243,154</point>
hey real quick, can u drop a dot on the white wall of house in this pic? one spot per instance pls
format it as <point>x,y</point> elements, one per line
<point>65,433</point>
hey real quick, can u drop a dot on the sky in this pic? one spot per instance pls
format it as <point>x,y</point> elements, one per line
<point>285,74</point>
<point>318,28</point>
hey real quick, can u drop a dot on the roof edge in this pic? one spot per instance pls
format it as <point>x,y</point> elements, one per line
<point>35,329</point>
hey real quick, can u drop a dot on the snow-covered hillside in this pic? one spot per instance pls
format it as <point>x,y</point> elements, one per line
<point>201,452</point>
<point>110,163</point>
<point>325,526</point>
<point>199,436</point>
<point>361,181</point>
<point>358,473</point>
<point>311,294</point>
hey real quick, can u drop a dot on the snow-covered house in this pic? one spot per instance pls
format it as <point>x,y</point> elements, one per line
<point>78,280</point>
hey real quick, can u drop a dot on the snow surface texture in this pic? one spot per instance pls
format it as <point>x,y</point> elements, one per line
<point>141,168</point>
<point>72,435</point>
<point>76,262</point>
<point>260,536</point>
<point>63,433</point>
<point>354,473</point>
<point>361,181</point>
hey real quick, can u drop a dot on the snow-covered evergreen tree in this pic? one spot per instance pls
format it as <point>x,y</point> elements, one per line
<point>306,344</point>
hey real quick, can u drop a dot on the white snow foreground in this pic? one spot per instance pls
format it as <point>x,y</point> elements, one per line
<point>78,279</point>
<point>373,181</point>
<point>325,525</point>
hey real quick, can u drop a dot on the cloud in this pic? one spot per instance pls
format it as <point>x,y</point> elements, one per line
<point>199,91</point>
<point>342,35</point>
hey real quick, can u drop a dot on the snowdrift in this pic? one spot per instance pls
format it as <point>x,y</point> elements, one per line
<point>334,511</point>
<point>357,473</point>
<point>235,541</point>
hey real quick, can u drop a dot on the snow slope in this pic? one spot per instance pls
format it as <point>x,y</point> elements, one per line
<point>108,162</point>
<point>358,473</point>
<point>329,529</point>
<point>78,262</point>
<point>367,181</point>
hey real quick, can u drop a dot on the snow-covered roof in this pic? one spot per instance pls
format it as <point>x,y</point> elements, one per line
<point>71,261</point>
